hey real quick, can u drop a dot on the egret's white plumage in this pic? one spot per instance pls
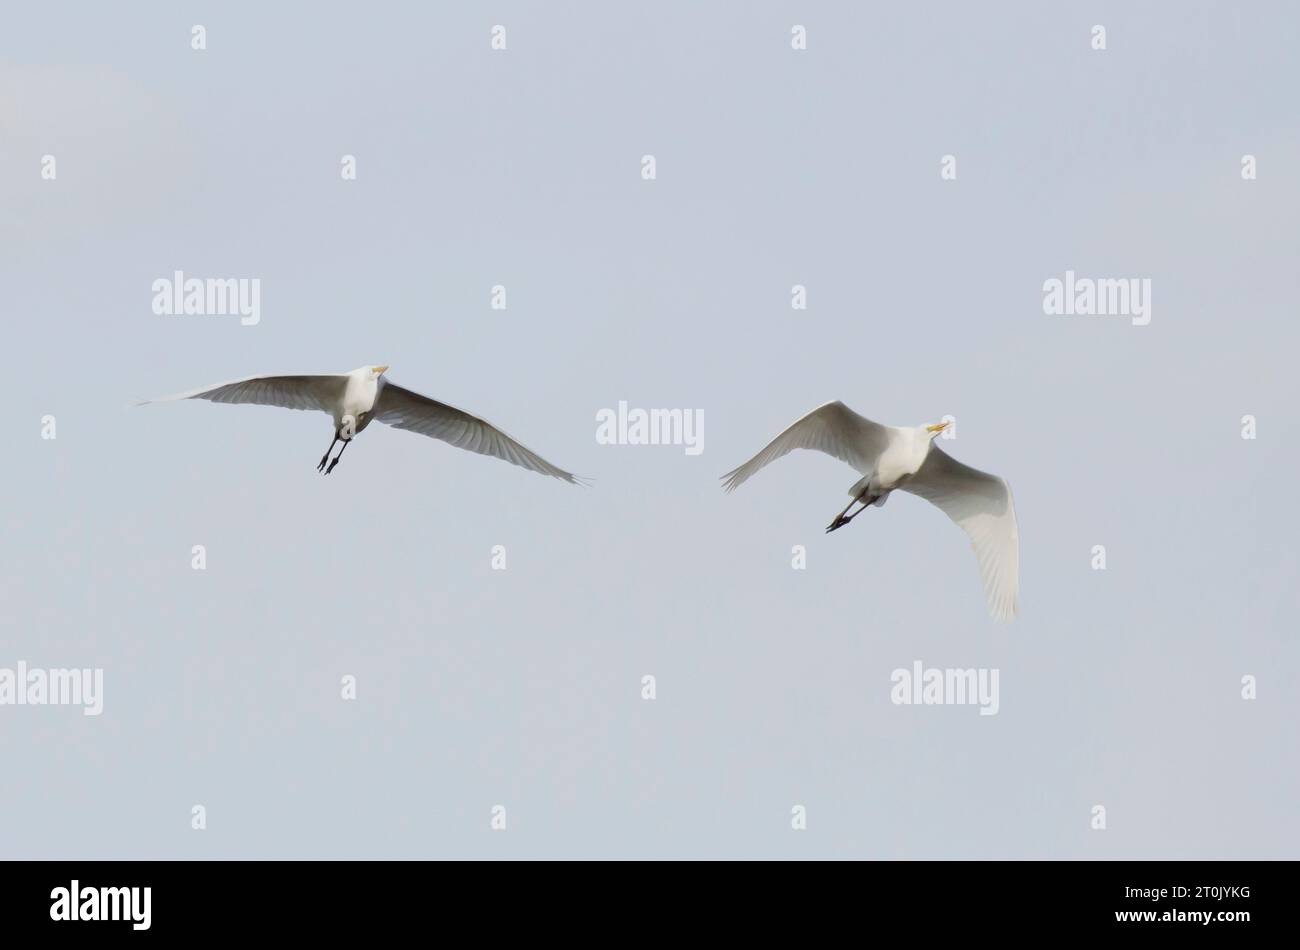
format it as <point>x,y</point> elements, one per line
<point>355,399</point>
<point>889,458</point>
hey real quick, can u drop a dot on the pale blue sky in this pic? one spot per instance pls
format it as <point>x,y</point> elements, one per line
<point>775,167</point>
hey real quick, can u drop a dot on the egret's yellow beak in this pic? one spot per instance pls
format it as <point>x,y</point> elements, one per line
<point>380,369</point>
<point>937,427</point>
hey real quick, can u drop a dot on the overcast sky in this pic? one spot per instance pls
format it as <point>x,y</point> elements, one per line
<point>523,687</point>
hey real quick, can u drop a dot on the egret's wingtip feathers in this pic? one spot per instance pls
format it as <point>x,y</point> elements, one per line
<point>1005,612</point>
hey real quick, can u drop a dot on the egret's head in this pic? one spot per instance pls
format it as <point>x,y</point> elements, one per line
<point>936,428</point>
<point>377,371</point>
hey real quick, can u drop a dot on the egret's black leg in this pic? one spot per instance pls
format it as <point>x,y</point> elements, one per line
<point>346,443</point>
<point>326,457</point>
<point>840,519</point>
<point>866,503</point>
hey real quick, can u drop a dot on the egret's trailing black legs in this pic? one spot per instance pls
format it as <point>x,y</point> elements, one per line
<point>346,443</point>
<point>326,457</point>
<point>840,519</point>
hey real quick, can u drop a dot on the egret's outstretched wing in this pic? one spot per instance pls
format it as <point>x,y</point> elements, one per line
<point>982,506</point>
<point>834,429</point>
<point>288,392</point>
<point>403,409</point>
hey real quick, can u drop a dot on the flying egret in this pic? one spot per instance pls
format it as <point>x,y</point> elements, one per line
<point>889,458</point>
<point>357,398</point>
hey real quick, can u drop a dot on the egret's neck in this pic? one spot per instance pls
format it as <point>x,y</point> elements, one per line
<point>923,441</point>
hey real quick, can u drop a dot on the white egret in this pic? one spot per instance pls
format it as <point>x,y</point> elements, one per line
<point>889,458</point>
<point>357,398</point>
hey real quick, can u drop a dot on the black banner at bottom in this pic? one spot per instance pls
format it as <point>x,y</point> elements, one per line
<point>174,899</point>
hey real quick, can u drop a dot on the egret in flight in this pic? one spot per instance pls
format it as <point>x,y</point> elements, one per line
<point>889,458</point>
<point>356,399</point>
